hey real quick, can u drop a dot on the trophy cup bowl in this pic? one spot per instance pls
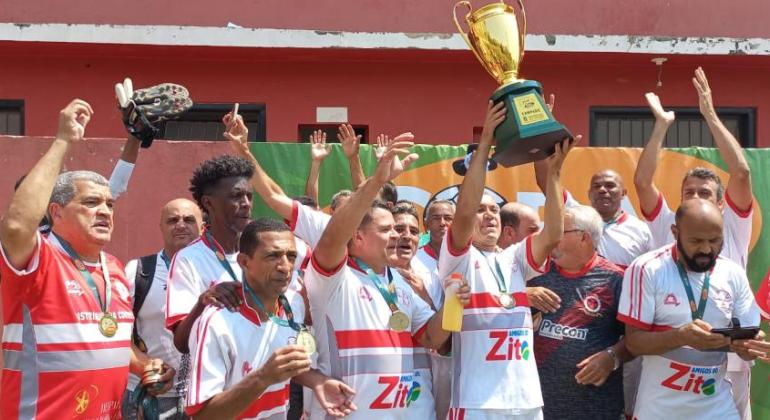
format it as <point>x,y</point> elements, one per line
<point>529,131</point>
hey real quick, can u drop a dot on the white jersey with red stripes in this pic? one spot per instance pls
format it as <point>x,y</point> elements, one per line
<point>308,223</point>
<point>57,362</point>
<point>350,319</point>
<point>426,261</point>
<point>494,362</point>
<point>763,297</point>
<point>193,270</point>
<point>226,346</point>
<point>737,229</point>
<point>624,239</point>
<point>685,382</point>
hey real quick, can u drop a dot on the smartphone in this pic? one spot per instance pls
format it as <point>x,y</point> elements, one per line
<point>737,333</point>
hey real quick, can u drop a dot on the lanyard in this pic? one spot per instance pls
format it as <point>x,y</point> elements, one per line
<point>282,301</point>
<point>614,219</point>
<point>697,311</point>
<point>165,258</point>
<point>103,305</point>
<point>386,294</point>
<point>497,273</point>
<point>214,246</point>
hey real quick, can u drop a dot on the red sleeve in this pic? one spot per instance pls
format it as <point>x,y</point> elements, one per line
<point>741,213</point>
<point>456,252</point>
<point>656,211</point>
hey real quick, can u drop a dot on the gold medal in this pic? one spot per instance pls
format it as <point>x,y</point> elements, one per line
<point>399,321</point>
<point>306,340</point>
<point>506,301</point>
<point>108,326</point>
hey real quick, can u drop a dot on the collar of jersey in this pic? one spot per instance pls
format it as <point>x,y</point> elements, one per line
<point>55,242</point>
<point>591,263</point>
<point>428,250</point>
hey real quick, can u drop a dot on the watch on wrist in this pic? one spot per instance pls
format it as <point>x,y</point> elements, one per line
<point>615,358</point>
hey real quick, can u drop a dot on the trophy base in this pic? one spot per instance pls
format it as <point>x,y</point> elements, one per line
<point>529,131</point>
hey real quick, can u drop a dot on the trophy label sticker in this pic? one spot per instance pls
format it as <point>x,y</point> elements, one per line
<point>529,109</point>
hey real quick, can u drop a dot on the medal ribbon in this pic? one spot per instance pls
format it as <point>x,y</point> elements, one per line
<point>78,262</point>
<point>283,302</point>
<point>220,253</point>
<point>386,294</point>
<point>697,311</point>
<point>497,273</point>
<point>614,219</point>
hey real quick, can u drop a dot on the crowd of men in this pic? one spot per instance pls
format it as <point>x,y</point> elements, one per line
<point>589,313</point>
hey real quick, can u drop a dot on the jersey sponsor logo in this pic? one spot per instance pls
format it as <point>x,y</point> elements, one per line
<point>508,345</point>
<point>403,298</point>
<point>698,380</point>
<point>397,392</point>
<point>671,299</point>
<point>96,316</point>
<point>556,331</point>
<point>723,300</point>
<point>73,288</point>
<point>83,398</point>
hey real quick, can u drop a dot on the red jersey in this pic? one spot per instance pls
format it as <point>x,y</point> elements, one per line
<point>57,362</point>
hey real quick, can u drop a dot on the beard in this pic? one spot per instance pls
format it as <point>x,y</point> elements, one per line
<point>708,261</point>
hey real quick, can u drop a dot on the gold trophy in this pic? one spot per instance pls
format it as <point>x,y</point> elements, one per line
<point>529,131</point>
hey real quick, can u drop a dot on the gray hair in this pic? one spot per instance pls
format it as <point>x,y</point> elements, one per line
<point>587,219</point>
<point>337,197</point>
<point>64,189</point>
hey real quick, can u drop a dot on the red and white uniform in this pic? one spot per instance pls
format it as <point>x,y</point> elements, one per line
<point>737,229</point>
<point>308,223</point>
<point>57,363</point>
<point>623,240</point>
<point>763,297</point>
<point>494,373</point>
<point>226,346</point>
<point>684,383</point>
<point>426,261</point>
<point>193,270</point>
<point>357,346</point>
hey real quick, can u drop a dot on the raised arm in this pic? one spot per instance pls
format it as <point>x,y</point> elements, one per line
<point>472,188</point>
<point>237,133</point>
<point>18,228</point>
<point>350,146</point>
<point>648,161</point>
<point>332,246</point>
<point>541,166</point>
<point>553,221</point>
<point>319,151</point>
<point>739,185</point>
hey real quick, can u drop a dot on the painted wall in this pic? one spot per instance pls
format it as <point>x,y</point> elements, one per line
<point>679,18</point>
<point>438,95</point>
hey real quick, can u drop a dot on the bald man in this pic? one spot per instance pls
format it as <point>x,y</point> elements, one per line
<point>671,300</point>
<point>518,221</point>
<point>180,223</point>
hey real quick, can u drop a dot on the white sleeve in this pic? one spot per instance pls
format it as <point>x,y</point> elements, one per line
<point>569,200</point>
<point>738,227</point>
<point>131,275</point>
<point>209,361</point>
<point>746,309</point>
<point>184,288</point>
<point>120,177</point>
<point>524,260</point>
<point>453,260</point>
<point>637,296</point>
<point>659,222</point>
<point>320,283</point>
<point>307,223</point>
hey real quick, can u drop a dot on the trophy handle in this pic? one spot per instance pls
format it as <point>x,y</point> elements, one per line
<point>522,30</point>
<point>467,4</point>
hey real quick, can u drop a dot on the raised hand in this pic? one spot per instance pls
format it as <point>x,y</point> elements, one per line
<point>666,117</point>
<point>705,102</point>
<point>73,120</point>
<point>556,160</point>
<point>390,166</point>
<point>382,144</point>
<point>349,140</point>
<point>319,150</point>
<point>237,134</point>
<point>495,115</point>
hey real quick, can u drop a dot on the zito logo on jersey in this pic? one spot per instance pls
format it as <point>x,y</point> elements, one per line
<point>398,392</point>
<point>508,345</point>
<point>695,382</point>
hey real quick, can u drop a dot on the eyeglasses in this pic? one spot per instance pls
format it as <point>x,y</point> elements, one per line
<point>574,230</point>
